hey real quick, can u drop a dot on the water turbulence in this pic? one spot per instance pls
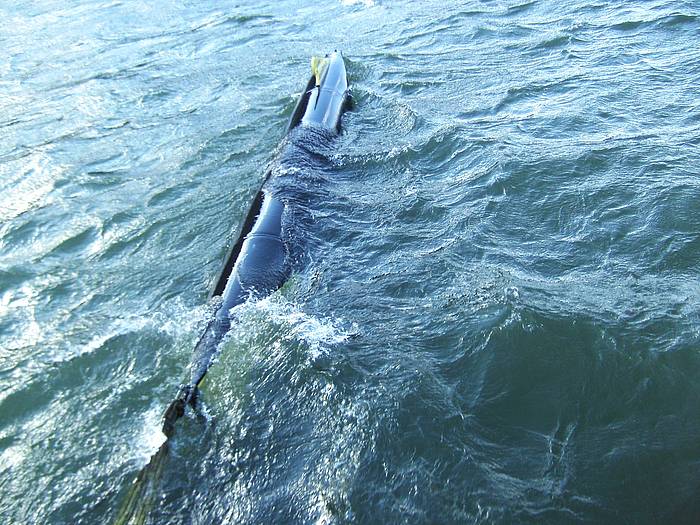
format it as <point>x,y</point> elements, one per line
<point>271,244</point>
<point>491,292</point>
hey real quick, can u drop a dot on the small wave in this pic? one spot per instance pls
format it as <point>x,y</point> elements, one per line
<point>519,8</point>
<point>665,21</point>
<point>366,3</point>
<point>677,20</point>
<point>31,188</point>
<point>554,42</point>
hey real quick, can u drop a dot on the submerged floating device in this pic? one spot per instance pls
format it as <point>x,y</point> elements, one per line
<point>258,263</point>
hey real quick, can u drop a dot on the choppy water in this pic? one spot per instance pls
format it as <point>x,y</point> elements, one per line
<point>499,323</point>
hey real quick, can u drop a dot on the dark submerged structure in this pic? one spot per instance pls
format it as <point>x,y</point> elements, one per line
<point>263,257</point>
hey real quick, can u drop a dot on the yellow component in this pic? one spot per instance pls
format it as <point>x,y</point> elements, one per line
<point>318,67</point>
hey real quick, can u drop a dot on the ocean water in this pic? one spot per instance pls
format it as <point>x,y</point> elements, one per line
<point>498,321</point>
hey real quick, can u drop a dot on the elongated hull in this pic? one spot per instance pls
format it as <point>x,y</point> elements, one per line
<point>261,259</point>
<point>259,262</point>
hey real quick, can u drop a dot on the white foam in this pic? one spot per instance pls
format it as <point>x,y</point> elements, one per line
<point>316,333</point>
<point>150,437</point>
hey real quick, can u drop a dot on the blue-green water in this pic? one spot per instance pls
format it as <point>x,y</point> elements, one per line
<point>499,320</point>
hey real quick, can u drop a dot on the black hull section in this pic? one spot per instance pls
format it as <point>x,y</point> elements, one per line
<point>261,259</point>
<point>255,266</point>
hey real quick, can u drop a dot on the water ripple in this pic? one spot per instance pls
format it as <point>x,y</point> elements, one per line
<point>498,322</point>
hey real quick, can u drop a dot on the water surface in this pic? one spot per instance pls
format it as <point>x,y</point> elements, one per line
<point>498,322</point>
